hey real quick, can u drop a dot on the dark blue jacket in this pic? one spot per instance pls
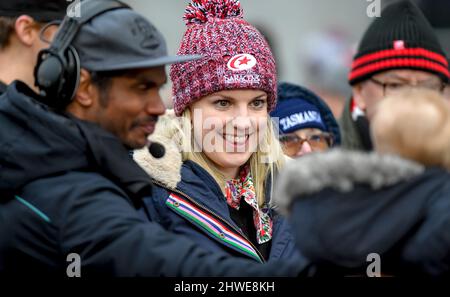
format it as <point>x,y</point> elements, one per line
<point>350,205</point>
<point>2,87</point>
<point>68,186</point>
<point>201,213</point>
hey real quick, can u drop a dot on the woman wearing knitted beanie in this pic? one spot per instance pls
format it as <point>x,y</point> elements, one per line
<point>221,196</point>
<point>306,123</point>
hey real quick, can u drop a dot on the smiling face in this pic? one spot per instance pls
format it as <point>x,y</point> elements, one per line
<point>126,104</point>
<point>228,125</point>
<point>133,106</point>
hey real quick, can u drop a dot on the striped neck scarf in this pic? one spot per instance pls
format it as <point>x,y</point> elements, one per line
<point>243,187</point>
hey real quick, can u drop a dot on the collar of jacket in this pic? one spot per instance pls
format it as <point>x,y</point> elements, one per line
<point>355,135</point>
<point>199,199</point>
<point>341,170</point>
<point>167,169</point>
<point>3,87</point>
<point>110,157</point>
<point>37,142</point>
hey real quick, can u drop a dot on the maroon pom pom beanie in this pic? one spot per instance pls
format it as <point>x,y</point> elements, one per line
<point>235,55</point>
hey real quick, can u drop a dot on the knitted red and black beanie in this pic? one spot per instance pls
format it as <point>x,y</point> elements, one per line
<point>401,38</point>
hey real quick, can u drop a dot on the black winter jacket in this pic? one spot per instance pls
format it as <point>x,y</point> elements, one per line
<point>347,205</point>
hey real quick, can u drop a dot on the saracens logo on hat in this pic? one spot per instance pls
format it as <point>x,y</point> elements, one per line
<point>241,62</point>
<point>235,54</point>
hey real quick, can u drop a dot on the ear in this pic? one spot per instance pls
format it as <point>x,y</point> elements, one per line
<point>27,30</point>
<point>86,92</point>
<point>358,96</point>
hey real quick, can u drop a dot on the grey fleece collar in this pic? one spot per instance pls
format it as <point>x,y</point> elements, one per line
<point>340,170</point>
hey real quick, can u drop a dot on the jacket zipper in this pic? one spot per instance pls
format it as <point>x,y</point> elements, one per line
<point>212,212</point>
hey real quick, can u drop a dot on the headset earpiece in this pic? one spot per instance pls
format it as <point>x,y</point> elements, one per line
<point>49,73</point>
<point>71,78</point>
<point>57,72</point>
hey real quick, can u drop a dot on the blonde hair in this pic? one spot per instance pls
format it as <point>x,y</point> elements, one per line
<point>416,125</point>
<point>263,163</point>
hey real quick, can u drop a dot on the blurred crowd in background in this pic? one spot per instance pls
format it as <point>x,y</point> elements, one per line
<point>313,41</point>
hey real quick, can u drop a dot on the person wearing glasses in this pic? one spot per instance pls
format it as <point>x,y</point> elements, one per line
<point>306,123</point>
<point>399,51</point>
<point>390,206</point>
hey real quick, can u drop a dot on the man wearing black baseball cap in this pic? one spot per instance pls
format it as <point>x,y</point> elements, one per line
<point>67,184</point>
<point>20,25</point>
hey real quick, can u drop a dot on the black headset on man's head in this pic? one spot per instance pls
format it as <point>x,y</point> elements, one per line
<point>57,72</point>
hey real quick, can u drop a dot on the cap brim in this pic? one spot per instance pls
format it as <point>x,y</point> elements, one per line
<point>39,16</point>
<point>166,60</point>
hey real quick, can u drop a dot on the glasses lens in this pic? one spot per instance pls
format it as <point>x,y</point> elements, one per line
<point>432,85</point>
<point>319,141</point>
<point>291,144</point>
<point>396,88</point>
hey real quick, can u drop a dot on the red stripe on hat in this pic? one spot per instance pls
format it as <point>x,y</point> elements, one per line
<point>420,52</point>
<point>395,63</point>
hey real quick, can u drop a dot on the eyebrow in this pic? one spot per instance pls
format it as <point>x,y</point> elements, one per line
<point>393,76</point>
<point>146,80</point>
<point>262,96</point>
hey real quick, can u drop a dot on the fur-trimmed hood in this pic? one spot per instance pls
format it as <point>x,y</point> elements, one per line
<point>340,170</point>
<point>166,169</point>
